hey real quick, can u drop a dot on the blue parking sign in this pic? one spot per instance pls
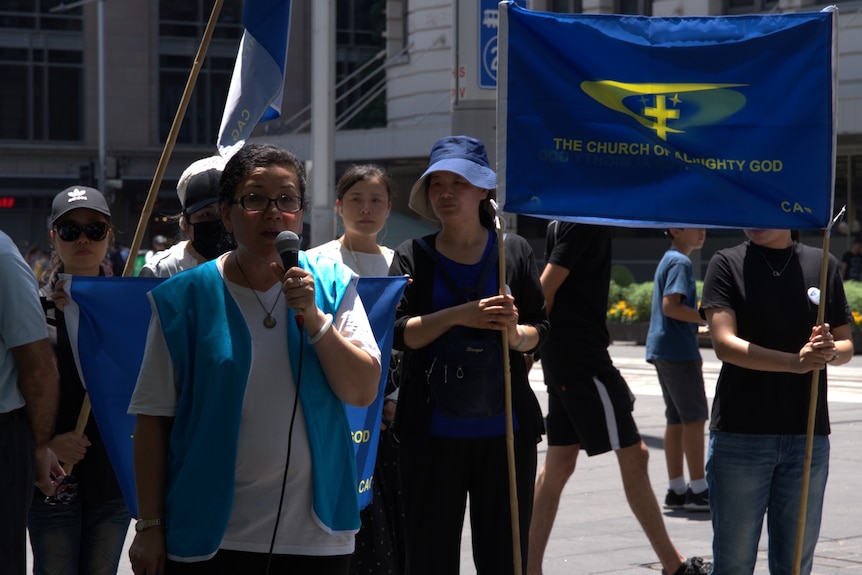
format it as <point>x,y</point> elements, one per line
<point>488,26</point>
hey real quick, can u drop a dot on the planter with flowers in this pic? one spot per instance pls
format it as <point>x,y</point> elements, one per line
<point>629,312</point>
<point>630,306</point>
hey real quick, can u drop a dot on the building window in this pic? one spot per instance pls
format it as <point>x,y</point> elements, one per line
<point>181,26</point>
<point>749,6</point>
<point>638,7</point>
<point>848,192</point>
<point>37,15</point>
<point>204,113</point>
<point>41,96</point>
<point>567,6</point>
<point>361,99</point>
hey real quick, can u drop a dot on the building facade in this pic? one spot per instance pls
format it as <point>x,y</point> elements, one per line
<point>407,73</point>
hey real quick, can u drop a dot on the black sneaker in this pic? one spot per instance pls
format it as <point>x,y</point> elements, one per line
<point>697,501</point>
<point>692,566</point>
<point>674,500</point>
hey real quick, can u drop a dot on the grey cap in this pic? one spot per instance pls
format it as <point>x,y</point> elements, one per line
<point>199,185</point>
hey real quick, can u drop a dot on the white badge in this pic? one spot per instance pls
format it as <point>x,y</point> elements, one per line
<point>814,295</point>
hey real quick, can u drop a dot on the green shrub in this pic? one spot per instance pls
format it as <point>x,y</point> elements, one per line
<point>621,275</point>
<point>853,290</point>
<point>633,303</point>
<point>615,293</point>
<point>639,298</point>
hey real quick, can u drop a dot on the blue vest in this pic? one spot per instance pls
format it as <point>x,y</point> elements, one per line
<point>211,349</point>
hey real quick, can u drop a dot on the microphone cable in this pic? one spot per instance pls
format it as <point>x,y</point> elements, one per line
<point>289,445</point>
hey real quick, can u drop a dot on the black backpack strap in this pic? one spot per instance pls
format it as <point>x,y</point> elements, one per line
<point>488,266</point>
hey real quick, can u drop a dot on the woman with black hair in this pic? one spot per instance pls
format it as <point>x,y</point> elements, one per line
<point>82,529</point>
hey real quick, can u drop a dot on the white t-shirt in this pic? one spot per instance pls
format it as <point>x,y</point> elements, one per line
<point>22,320</point>
<point>264,427</point>
<point>361,263</point>
<point>170,262</point>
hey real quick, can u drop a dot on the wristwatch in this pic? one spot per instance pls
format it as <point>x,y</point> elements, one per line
<point>143,524</point>
<point>834,357</point>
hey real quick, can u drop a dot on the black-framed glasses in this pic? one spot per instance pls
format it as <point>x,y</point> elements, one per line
<point>259,203</point>
<point>70,232</point>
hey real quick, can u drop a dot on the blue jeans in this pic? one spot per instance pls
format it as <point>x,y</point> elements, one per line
<point>753,475</point>
<point>77,538</point>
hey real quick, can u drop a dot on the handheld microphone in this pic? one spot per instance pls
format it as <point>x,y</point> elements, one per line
<point>287,244</point>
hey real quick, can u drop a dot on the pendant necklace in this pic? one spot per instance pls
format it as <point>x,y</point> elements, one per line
<point>269,321</point>
<point>352,255</point>
<point>777,274</point>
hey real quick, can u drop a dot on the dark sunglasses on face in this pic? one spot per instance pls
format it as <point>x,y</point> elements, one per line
<point>66,492</point>
<point>70,232</point>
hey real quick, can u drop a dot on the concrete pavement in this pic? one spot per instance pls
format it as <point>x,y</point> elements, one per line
<point>595,532</point>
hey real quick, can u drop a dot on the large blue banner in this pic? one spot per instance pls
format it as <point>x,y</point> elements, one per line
<point>650,122</point>
<point>107,321</point>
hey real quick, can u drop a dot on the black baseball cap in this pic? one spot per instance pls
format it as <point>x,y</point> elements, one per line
<point>75,197</point>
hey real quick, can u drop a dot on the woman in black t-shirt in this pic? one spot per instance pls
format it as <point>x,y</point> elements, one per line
<point>761,301</point>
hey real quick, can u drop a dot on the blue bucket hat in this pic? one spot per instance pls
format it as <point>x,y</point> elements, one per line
<point>462,155</point>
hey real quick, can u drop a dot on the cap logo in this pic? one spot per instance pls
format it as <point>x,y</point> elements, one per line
<point>77,195</point>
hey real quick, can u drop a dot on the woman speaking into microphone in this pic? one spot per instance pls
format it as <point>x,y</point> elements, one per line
<point>243,457</point>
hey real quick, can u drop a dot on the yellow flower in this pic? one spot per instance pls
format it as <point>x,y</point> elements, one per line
<point>622,312</point>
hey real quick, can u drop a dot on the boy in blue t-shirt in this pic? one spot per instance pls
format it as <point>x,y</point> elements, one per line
<point>672,347</point>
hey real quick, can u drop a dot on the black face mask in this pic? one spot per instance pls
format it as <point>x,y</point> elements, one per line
<point>211,239</point>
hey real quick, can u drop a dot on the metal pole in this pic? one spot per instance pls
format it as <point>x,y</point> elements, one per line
<point>100,67</point>
<point>100,169</point>
<point>322,186</point>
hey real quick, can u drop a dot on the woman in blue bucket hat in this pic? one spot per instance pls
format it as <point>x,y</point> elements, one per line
<point>451,415</point>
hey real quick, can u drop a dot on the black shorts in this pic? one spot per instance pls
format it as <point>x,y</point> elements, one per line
<point>591,408</point>
<point>682,388</point>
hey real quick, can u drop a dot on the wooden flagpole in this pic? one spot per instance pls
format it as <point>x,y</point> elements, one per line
<point>172,139</point>
<point>80,426</point>
<point>84,414</point>
<point>507,387</point>
<point>812,407</point>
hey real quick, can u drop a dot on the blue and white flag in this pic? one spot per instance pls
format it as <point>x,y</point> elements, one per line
<point>380,296</point>
<point>258,76</point>
<point>725,121</point>
<point>107,319</point>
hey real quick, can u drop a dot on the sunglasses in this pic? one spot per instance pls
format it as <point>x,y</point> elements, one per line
<point>66,492</point>
<point>70,232</point>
